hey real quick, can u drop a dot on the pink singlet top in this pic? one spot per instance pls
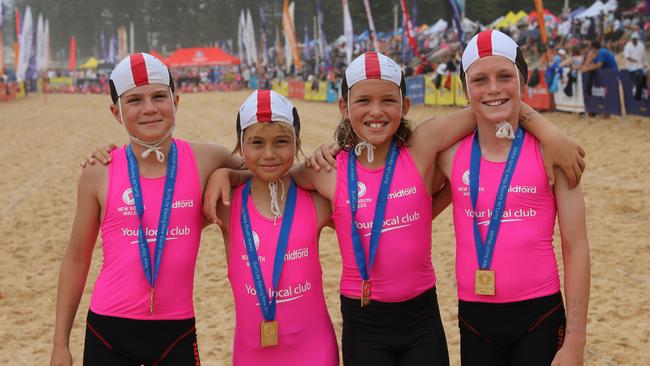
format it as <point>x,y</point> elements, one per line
<point>306,334</point>
<point>122,289</point>
<point>402,268</point>
<point>523,260</point>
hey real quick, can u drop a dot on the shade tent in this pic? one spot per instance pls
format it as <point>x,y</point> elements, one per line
<point>91,63</point>
<point>599,7</point>
<point>206,56</point>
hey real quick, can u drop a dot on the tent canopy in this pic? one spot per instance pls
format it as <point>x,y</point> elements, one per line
<point>91,63</point>
<point>206,56</point>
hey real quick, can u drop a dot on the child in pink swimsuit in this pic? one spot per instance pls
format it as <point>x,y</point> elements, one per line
<point>511,310</point>
<point>141,311</point>
<point>271,232</point>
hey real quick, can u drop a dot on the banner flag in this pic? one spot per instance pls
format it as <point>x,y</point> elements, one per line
<point>371,25</point>
<point>347,30</point>
<point>72,62</point>
<point>409,29</point>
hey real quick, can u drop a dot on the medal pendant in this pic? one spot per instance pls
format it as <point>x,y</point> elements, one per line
<point>366,291</point>
<point>484,282</point>
<point>151,301</point>
<point>269,333</point>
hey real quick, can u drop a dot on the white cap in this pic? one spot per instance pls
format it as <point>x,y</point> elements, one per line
<point>634,35</point>
<point>136,70</point>
<point>373,65</point>
<point>265,106</point>
<point>489,43</point>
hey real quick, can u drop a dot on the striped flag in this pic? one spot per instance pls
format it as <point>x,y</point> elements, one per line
<point>371,25</point>
<point>290,35</point>
<point>409,29</point>
<point>347,30</point>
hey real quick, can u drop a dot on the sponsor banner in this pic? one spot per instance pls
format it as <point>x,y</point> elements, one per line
<point>640,106</point>
<point>309,94</point>
<point>297,90</point>
<point>321,93</point>
<point>601,92</point>
<point>415,89</point>
<point>332,92</point>
<point>574,103</point>
<point>538,96</point>
<point>445,95</point>
<point>430,95</point>
<point>253,82</point>
<point>457,85</point>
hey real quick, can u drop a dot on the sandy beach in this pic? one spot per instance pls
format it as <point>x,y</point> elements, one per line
<point>44,139</point>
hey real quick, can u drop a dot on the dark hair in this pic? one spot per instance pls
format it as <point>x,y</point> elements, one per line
<point>520,62</point>
<point>296,128</point>
<point>595,45</point>
<point>345,136</point>
<point>114,95</point>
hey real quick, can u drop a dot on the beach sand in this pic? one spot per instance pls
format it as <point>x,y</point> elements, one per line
<point>43,142</point>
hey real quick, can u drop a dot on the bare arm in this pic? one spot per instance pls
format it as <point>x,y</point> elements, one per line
<point>76,262</point>
<point>441,196</point>
<point>218,189</point>
<point>575,255</point>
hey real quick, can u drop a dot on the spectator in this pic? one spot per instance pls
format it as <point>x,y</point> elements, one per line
<point>635,59</point>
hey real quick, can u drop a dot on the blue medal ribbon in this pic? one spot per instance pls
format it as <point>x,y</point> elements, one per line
<point>268,307</point>
<point>165,211</point>
<point>380,209</point>
<point>485,251</point>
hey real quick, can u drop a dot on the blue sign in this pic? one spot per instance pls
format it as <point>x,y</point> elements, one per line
<point>601,93</point>
<point>252,82</point>
<point>415,89</point>
<point>639,106</point>
<point>332,92</point>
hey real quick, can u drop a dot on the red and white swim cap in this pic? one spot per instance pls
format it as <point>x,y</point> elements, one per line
<point>373,65</point>
<point>265,106</point>
<point>136,70</point>
<point>489,43</point>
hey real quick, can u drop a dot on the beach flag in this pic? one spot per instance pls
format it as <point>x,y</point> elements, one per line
<point>240,35</point>
<point>121,42</point>
<point>2,49</point>
<point>457,21</point>
<point>322,41</point>
<point>251,48</point>
<point>347,30</point>
<point>290,35</point>
<point>306,52</point>
<point>278,48</point>
<point>263,40</point>
<point>41,45</point>
<point>47,44</point>
<point>131,39</point>
<point>2,13</point>
<point>72,62</point>
<point>539,8</point>
<point>409,29</point>
<point>26,36</point>
<point>371,25</point>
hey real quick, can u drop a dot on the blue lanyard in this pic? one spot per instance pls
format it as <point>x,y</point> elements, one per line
<point>380,209</point>
<point>484,252</point>
<point>268,307</point>
<point>165,211</point>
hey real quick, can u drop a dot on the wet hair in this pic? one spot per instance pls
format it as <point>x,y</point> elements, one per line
<point>520,62</point>
<point>114,95</point>
<point>345,136</point>
<point>296,128</point>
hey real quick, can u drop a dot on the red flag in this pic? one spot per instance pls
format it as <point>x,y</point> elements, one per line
<point>408,30</point>
<point>17,24</point>
<point>539,8</point>
<point>72,64</point>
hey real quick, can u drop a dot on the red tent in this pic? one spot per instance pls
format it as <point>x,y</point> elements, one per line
<point>548,16</point>
<point>212,56</point>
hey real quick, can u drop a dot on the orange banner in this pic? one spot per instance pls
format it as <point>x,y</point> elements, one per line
<point>72,63</point>
<point>539,8</point>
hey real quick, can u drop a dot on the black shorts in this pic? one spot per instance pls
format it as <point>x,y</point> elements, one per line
<point>526,332</point>
<point>114,341</point>
<point>389,334</point>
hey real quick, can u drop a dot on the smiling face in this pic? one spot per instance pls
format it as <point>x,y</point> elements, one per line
<point>494,89</point>
<point>147,110</point>
<point>375,110</point>
<point>268,149</point>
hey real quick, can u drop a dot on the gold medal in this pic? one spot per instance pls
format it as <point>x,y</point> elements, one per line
<point>269,333</point>
<point>151,301</point>
<point>484,282</point>
<point>366,291</point>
